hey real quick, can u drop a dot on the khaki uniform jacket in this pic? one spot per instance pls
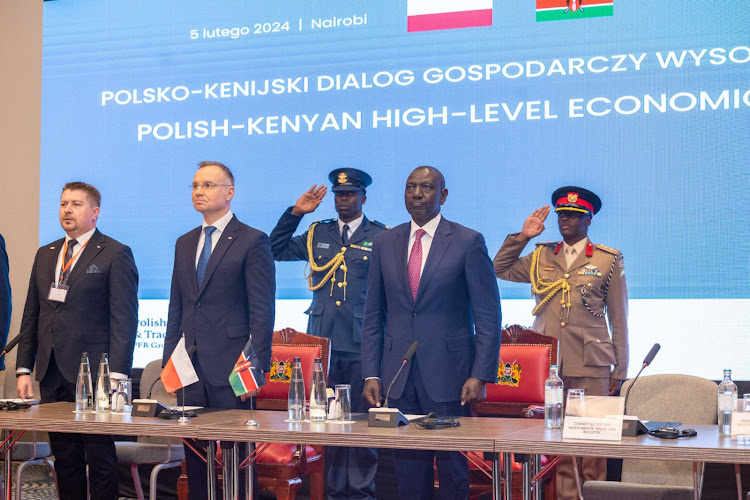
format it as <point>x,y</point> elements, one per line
<point>586,348</point>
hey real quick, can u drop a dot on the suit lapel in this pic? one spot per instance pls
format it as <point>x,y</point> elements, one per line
<point>440,243</point>
<point>559,260</point>
<point>54,253</point>
<point>93,247</point>
<point>400,251</point>
<point>335,235</point>
<point>188,252</point>
<point>225,241</point>
<point>361,232</point>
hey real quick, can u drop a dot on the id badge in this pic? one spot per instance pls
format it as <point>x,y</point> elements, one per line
<point>57,293</point>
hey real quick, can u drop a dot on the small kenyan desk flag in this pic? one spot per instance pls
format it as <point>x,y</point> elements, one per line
<point>562,10</point>
<point>246,375</point>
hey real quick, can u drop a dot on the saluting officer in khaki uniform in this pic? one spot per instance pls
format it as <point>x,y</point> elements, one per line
<point>578,286</point>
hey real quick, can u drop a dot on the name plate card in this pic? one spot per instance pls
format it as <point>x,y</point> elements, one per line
<point>597,428</point>
<point>740,424</point>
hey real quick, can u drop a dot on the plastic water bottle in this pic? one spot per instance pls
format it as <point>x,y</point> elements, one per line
<point>553,399</point>
<point>84,392</point>
<point>297,393</point>
<point>318,397</point>
<point>727,403</point>
<point>103,386</point>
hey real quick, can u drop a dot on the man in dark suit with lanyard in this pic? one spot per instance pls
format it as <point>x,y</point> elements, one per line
<point>83,297</point>
<point>431,280</point>
<point>344,245</point>
<point>223,293</point>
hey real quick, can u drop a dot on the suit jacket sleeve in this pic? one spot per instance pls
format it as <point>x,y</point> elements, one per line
<point>123,311</point>
<point>6,304</point>
<point>174,318</point>
<point>509,266</point>
<point>27,347</point>
<point>485,308</point>
<point>260,279</point>
<point>283,245</point>
<point>617,314</point>
<point>373,326</point>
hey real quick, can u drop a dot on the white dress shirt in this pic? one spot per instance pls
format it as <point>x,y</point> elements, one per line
<point>353,226</point>
<point>430,228</point>
<point>81,241</point>
<point>220,226</point>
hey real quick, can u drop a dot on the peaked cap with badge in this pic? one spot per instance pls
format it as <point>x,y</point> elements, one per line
<point>349,179</point>
<point>576,199</point>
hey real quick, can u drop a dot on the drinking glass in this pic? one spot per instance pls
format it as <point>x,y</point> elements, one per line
<point>576,403</point>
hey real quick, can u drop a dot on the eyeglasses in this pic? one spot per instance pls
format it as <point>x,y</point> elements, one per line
<point>207,186</point>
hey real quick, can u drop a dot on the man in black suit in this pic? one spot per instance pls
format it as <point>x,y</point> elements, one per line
<point>6,304</point>
<point>223,293</point>
<point>83,297</point>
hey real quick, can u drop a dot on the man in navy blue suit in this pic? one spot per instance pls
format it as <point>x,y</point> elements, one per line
<point>431,280</point>
<point>223,292</point>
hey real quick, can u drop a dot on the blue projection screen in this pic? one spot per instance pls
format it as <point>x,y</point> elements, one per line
<point>645,103</point>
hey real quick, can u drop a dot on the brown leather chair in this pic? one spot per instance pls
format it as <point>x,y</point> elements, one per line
<point>281,466</point>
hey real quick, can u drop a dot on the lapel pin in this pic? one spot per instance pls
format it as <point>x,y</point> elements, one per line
<point>97,246</point>
<point>51,248</point>
<point>229,237</point>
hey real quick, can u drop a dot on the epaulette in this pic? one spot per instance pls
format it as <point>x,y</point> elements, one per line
<point>546,243</point>
<point>380,224</point>
<point>324,221</point>
<point>608,249</point>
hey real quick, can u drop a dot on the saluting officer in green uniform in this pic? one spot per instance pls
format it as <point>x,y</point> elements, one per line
<point>338,254</point>
<point>579,287</point>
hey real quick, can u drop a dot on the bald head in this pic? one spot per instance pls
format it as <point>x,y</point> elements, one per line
<point>424,194</point>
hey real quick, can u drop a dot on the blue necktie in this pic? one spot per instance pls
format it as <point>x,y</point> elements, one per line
<point>205,254</point>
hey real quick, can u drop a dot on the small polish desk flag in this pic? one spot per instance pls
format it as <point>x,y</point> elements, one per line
<point>179,370</point>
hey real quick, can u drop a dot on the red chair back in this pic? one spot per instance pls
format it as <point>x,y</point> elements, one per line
<point>274,395</point>
<point>525,357</point>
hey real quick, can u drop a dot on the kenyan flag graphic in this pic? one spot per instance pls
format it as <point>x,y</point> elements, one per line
<point>561,10</point>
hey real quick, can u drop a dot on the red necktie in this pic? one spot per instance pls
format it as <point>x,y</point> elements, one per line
<point>415,263</point>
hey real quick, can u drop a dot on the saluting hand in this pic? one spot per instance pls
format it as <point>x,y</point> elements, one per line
<point>534,224</point>
<point>310,200</point>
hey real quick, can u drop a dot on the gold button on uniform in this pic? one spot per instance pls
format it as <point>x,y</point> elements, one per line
<point>338,302</point>
<point>341,284</point>
<point>364,258</point>
<point>567,275</point>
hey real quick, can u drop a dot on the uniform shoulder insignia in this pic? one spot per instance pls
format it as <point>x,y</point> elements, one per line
<point>380,224</point>
<point>324,221</point>
<point>546,243</point>
<point>607,249</point>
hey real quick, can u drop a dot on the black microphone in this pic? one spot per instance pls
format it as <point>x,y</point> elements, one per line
<point>10,345</point>
<point>646,361</point>
<point>650,356</point>
<point>407,357</point>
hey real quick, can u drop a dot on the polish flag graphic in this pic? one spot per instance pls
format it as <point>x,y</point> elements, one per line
<point>429,15</point>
